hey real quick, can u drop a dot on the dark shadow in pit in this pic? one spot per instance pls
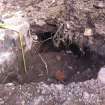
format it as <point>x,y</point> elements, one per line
<point>73,67</point>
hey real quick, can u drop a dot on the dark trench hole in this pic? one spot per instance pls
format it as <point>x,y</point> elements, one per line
<point>46,40</point>
<point>63,67</point>
<point>75,67</point>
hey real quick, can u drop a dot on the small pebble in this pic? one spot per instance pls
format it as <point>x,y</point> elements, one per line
<point>53,1</point>
<point>86,95</point>
<point>59,86</point>
<point>35,37</point>
<point>88,32</point>
<point>101,75</point>
<point>68,25</point>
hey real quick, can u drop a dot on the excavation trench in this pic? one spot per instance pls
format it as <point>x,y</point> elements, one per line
<point>56,65</point>
<point>67,52</point>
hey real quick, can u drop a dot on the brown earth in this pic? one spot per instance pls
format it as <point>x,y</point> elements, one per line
<point>56,76</point>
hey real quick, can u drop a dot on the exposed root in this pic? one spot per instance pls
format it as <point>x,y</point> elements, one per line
<point>46,66</point>
<point>57,38</point>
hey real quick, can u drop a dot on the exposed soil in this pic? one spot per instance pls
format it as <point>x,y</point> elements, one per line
<point>63,75</point>
<point>48,63</point>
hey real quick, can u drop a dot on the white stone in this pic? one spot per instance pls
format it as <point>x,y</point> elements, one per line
<point>86,95</point>
<point>88,32</point>
<point>101,75</point>
<point>59,86</point>
<point>68,25</point>
<point>9,84</point>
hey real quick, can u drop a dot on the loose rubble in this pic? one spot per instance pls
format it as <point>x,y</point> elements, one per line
<point>43,94</point>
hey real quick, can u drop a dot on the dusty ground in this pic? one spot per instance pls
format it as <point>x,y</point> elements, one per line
<point>81,93</point>
<point>55,76</point>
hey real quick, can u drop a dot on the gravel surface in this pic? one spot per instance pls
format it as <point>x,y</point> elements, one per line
<point>90,92</point>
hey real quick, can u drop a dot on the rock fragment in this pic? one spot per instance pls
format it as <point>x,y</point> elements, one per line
<point>101,75</point>
<point>88,32</point>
